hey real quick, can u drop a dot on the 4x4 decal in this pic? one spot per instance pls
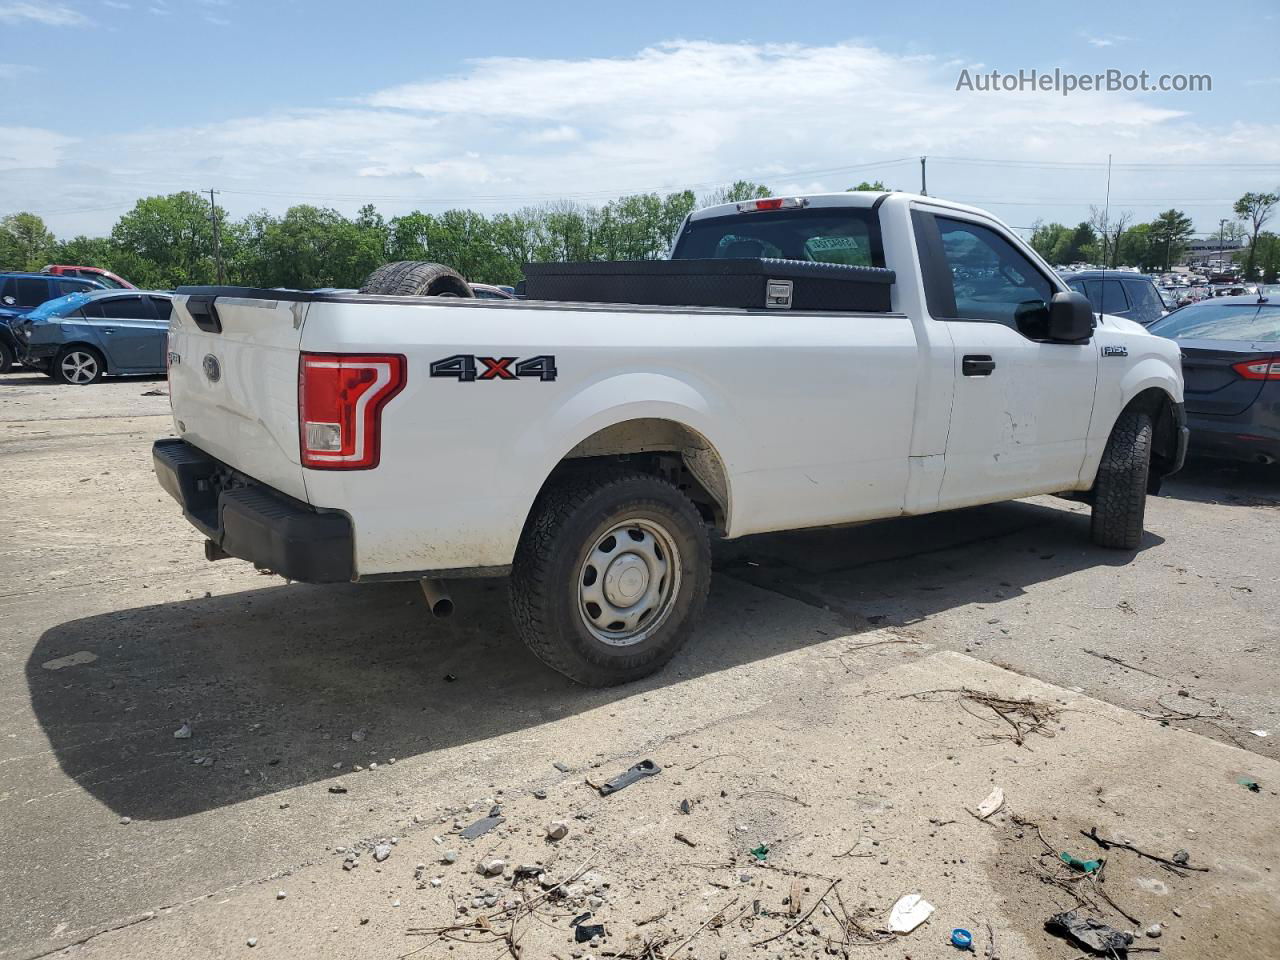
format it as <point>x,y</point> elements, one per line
<point>462,367</point>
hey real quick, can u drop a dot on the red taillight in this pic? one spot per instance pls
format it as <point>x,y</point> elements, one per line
<point>340,401</point>
<point>1258,369</point>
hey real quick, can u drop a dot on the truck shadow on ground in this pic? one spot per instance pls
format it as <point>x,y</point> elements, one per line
<point>274,681</point>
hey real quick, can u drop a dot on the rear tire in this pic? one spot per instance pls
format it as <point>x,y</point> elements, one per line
<point>417,278</point>
<point>610,576</point>
<point>78,366</point>
<point>1120,491</point>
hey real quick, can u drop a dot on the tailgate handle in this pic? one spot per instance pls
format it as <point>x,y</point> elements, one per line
<point>204,312</point>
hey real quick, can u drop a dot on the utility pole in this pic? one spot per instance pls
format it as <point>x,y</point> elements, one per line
<point>217,237</point>
<point>1222,228</point>
<point>924,190</point>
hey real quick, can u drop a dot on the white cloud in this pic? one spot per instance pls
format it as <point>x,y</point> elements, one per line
<point>117,5</point>
<point>31,148</point>
<point>49,14</point>
<point>216,21</point>
<point>11,71</point>
<point>1106,40</point>
<point>506,131</point>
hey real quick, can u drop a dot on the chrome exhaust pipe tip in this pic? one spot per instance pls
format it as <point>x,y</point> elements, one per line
<point>438,600</point>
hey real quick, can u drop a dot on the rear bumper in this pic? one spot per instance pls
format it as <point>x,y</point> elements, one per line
<point>1244,438</point>
<point>245,519</point>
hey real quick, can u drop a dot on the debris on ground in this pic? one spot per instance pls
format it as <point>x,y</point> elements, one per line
<point>381,851</point>
<point>1084,866</point>
<point>584,932</point>
<point>645,768</point>
<point>962,938</point>
<point>359,735</point>
<point>761,853</point>
<point>70,660</point>
<point>1249,784</point>
<point>484,824</point>
<point>557,830</point>
<point>993,802</point>
<point>183,732</point>
<point>685,840</point>
<point>1155,930</point>
<point>1089,933</point>
<point>337,788</point>
<point>909,912</point>
<point>491,868</point>
<point>1181,859</point>
<point>1023,715</point>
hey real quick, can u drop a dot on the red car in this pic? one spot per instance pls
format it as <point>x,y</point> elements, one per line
<point>104,277</point>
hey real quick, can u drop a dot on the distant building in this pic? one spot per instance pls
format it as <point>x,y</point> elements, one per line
<point>1206,252</point>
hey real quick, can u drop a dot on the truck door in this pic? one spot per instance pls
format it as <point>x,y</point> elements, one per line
<point>1022,404</point>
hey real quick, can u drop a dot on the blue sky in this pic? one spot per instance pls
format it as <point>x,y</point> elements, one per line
<point>497,105</point>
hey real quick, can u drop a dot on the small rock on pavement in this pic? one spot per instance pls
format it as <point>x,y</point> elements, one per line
<point>125,821</point>
<point>491,868</point>
<point>337,788</point>
<point>450,856</point>
<point>562,767</point>
<point>252,942</point>
<point>280,894</point>
<point>381,851</point>
<point>1155,930</point>
<point>557,830</point>
<point>359,735</point>
<point>183,732</point>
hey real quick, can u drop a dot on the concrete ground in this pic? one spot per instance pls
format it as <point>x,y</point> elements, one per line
<point>116,633</point>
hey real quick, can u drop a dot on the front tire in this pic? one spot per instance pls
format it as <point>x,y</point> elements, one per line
<point>610,576</point>
<point>6,358</point>
<point>78,366</point>
<point>1120,491</point>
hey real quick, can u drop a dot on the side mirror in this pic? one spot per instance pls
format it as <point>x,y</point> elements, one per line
<point>1070,318</point>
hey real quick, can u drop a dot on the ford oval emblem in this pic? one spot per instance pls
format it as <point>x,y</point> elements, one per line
<point>212,369</point>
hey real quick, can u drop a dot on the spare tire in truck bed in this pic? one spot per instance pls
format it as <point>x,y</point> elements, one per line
<point>417,278</point>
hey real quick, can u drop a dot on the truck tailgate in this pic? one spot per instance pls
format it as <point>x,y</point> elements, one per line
<point>233,383</point>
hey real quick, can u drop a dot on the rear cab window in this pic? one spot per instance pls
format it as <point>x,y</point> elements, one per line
<point>843,235</point>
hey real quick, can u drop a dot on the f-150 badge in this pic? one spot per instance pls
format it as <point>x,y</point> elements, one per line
<point>1114,351</point>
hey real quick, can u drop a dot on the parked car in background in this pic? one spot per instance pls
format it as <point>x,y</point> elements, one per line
<point>1231,367</point>
<point>22,292</point>
<point>104,277</point>
<point>1129,295</point>
<point>82,337</point>
<point>489,291</point>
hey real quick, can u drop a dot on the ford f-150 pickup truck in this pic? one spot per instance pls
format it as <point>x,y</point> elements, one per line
<point>801,361</point>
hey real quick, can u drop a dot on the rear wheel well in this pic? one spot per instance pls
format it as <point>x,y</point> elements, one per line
<point>663,448</point>
<point>1164,440</point>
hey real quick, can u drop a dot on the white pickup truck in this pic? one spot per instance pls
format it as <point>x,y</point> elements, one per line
<point>590,449</point>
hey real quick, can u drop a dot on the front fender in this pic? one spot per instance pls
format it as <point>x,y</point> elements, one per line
<point>1147,373</point>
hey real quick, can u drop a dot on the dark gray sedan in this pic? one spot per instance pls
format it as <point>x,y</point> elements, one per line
<point>1231,365</point>
<point>82,337</point>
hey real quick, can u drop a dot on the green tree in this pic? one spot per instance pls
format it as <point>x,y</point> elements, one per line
<point>738,191</point>
<point>1255,210</point>
<point>1268,256</point>
<point>1135,248</point>
<point>878,186</point>
<point>86,252</point>
<point>1049,240</point>
<point>309,247</point>
<point>1169,234</point>
<point>25,242</point>
<point>167,241</point>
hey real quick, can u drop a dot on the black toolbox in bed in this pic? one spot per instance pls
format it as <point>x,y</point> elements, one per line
<point>745,284</point>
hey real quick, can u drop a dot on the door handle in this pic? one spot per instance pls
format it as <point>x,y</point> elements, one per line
<point>977,365</point>
<point>108,329</point>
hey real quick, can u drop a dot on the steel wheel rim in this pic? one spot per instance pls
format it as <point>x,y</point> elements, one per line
<point>628,582</point>
<point>79,367</point>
